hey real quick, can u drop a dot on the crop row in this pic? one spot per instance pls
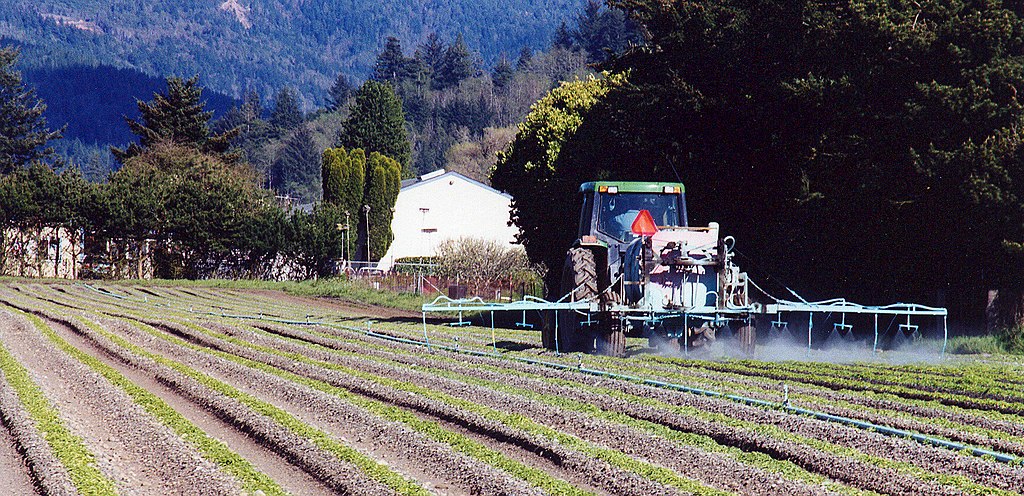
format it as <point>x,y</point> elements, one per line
<point>598,432</point>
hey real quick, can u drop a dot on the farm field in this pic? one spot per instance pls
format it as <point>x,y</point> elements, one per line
<point>120,389</point>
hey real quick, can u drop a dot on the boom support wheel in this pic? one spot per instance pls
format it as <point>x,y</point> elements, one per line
<point>612,341</point>
<point>747,337</point>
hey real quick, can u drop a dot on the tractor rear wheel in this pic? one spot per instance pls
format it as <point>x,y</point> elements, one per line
<point>579,276</point>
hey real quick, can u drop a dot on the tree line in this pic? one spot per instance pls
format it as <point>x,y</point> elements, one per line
<point>870,150</point>
<point>183,201</point>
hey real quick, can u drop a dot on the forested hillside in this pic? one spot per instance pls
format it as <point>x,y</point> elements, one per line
<point>237,45</point>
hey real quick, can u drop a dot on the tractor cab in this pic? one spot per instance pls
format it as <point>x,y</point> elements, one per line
<point>609,209</point>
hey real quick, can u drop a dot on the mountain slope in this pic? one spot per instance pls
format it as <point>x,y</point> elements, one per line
<point>237,45</point>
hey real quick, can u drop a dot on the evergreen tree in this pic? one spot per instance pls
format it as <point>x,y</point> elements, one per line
<point>377,124</point>
<point>252,107</point>
<point>23,131</point>
<point>563,38</point>
<point>339,92</point>
<point>458,65</point>
<point>286,114</point>
<point>391,62</point>
<point>432,54</point>
<point>296,170</point>
<point>178,117</point>
<point>331,174</point>
<point>503,73</point>
<point>343,183</point>
<point>525,61</point>
<point>600,31</point>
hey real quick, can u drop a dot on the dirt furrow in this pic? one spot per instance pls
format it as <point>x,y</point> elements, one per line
<point>141,455</point>
<point>713,469</point>
<point>759,389</point>
<point>27,464</point>
<point>14,474</point>
<point>335,474</point>
<point>587,470</point>
<point>935,459</point>
<point>264,458</point>
<point>402,448</point>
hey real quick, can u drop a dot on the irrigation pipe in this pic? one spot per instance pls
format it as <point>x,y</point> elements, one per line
<point>827,417</point>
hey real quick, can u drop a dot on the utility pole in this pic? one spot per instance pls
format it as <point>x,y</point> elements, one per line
<point>366,209</point>
<point>344,249</point>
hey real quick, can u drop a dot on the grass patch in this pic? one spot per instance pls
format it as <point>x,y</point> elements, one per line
<point>975,345</point>
<point>340,288</point>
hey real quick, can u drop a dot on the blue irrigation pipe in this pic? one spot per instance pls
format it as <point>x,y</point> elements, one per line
<point>826,417</point>
<point>881,429</point>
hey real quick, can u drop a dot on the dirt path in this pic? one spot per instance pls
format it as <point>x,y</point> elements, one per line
<point>14,475</point>
<point>140,455</point>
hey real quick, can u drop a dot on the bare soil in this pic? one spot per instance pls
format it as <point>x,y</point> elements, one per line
<point>14,475</point>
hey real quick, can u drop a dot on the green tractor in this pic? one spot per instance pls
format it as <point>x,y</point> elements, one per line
<point>645,272</point>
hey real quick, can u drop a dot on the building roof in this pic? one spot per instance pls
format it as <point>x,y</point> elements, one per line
<point>440,175</point>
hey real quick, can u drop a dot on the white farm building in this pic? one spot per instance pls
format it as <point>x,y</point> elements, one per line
<point>446,205</point>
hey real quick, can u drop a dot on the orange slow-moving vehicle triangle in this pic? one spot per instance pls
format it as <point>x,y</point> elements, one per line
<point>644,224</point>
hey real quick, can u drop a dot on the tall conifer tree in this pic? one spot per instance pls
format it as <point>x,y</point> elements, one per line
<point>23,130</point>
<point>180,117</point>
<point>377,124</point>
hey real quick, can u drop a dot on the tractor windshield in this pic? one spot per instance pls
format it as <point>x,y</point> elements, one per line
<point>619,210</point>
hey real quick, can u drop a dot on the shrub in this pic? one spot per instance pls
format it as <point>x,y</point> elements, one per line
<point>477,259</point>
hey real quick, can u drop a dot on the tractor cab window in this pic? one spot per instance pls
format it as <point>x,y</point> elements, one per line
<point>586,214</point>
<point>619,210</point>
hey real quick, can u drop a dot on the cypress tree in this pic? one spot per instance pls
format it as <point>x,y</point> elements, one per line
<point>331,174</point>
<point>343,183</point>
<point>383,181</point>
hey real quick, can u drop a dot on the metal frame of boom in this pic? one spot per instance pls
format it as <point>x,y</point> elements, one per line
<point>443,304</point>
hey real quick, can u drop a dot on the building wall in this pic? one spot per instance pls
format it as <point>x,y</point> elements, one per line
<point>47,252</point>
<point>448,206</point>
